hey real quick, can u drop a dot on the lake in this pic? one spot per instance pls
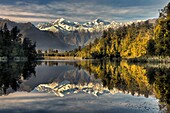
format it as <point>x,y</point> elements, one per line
<point>93,86</point>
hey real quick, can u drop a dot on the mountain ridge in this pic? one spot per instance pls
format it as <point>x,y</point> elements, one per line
<point>71,26</point>
<point>77,34</point>
<point>62,34</point>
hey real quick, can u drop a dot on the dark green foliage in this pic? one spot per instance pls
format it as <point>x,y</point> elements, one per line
<point>14,32</point>
<point>151,47</point>
<point>11,74</point>
<point>161,44</point>
<point>163,40</point>
<point>160,78</point>
<point>104,34</point>
<point>165,12</point>
<point>11,44</point>
<point>29,49</point>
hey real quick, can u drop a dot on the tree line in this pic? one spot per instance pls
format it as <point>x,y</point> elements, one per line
<point>127,41</point>
<point>12,44</point>
<point>159,45</point>
<point>132,41</point>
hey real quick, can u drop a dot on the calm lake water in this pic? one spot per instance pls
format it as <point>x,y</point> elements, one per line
<point>84,86</point>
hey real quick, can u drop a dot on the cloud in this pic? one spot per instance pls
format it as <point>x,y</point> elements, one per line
<point>29,19</point>
<point>81,11</point>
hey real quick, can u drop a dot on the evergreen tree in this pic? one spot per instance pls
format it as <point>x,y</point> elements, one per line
<point>29,49</point>
<point>14,33</point>
<point>11,45</point>
<point>162,33</point>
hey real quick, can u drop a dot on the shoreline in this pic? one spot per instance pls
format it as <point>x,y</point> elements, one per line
<point>163,60</point>
<point>152,60</point>
<point>60,58</point>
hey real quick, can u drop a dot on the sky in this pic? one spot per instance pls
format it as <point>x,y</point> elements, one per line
<point>36,11</point>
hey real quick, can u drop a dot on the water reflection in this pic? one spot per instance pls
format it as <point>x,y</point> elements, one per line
<point>128,78</point>
<point>12,74</point>
<point>159,78</point>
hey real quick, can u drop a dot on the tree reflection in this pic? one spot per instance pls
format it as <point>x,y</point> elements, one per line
<point>160,80</point>
<point>132,78</point>
<point>129,78</point>
<point>12,74</point>
<point>120,75</point>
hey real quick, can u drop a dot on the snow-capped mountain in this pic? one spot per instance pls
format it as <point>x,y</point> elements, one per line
<point>67,26</point>
<point>96,22</point>
<point>76,34</point>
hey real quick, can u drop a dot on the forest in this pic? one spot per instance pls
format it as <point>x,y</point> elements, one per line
<point>13,46</point>
<point>143,39</point>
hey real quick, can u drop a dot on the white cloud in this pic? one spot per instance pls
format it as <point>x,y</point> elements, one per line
<point>24,20</point>
<point>80,11</point>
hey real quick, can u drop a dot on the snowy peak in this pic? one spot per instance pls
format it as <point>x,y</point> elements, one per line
<point>96,22</point>
<point>65,26</point>
<point>62,21</point>
<point>43,25</point>
<point>61,25</point>
<point>100,21</point>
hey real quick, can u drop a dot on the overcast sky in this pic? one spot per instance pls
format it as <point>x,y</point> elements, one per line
<point>79,10</point>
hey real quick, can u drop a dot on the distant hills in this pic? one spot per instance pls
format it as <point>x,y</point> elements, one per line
<point>62,34</point>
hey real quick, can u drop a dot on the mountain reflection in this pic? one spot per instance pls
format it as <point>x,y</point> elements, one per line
<point>131,79</point>
<point>120,75</point>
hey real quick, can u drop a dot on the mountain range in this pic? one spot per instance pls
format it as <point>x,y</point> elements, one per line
<point>77,34</point>
<point>62,34</point>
